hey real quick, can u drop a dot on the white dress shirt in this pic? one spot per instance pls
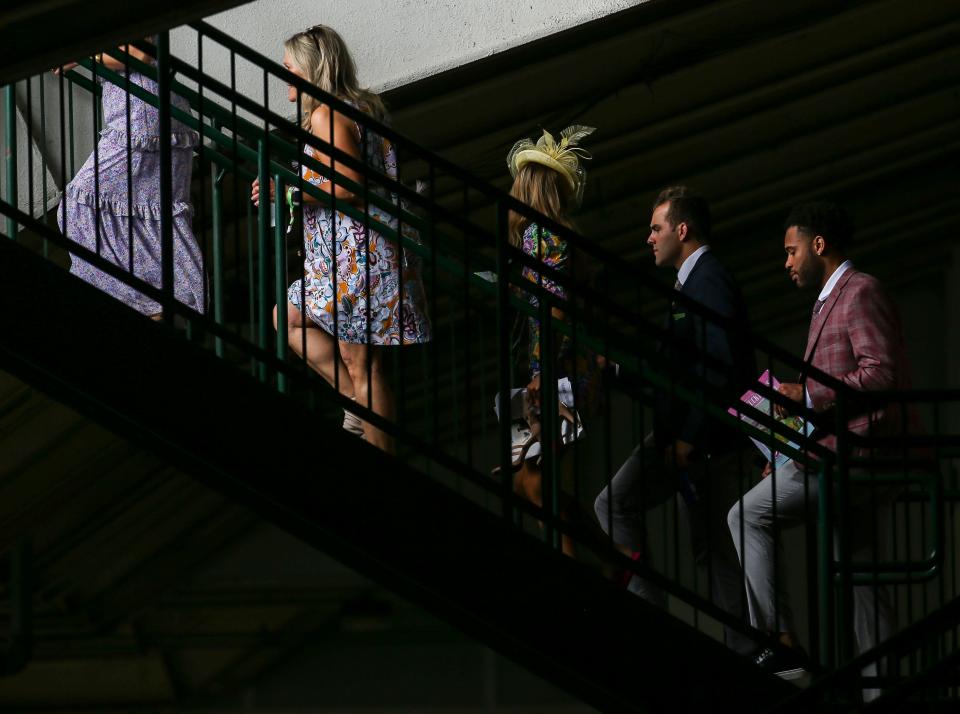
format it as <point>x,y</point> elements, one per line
<point>687,267</point>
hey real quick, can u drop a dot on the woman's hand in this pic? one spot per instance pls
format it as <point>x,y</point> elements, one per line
<point>533,391</point>
<point>255,191</point>
<point>64,68</point>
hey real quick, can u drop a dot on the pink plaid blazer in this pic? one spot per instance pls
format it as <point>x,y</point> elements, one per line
<point>857,338</point>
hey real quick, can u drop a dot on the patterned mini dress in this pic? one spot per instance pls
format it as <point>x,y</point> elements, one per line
<point>358,284</point>
<point>579,365</point>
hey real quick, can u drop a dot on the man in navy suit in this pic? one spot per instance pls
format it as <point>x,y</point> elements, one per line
<point>688,451</point>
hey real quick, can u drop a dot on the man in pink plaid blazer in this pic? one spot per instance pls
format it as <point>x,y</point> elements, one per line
<point>855,337</point>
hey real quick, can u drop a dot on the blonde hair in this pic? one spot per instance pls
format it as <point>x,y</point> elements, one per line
<point>545,191</point>
<point>323,57</point>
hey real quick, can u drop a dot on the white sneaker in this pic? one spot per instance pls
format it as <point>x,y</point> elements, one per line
<point>352,423</point>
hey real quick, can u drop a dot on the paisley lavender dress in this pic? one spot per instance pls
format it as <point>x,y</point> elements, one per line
<point>359,271</point>
<point>97,212</point>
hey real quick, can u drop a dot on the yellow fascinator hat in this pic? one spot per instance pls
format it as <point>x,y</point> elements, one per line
<point>562,156</point>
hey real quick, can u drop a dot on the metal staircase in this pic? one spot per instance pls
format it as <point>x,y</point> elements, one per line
<point>219,396</point>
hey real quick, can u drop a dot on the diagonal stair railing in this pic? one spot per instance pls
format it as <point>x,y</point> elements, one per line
<point>444,421</point>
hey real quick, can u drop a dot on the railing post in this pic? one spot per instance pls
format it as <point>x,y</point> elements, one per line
<point>166,176</point>
<point>217,205</point>
<point>10,143</point>
<point>825,541</point>
<point>503,359</point>
<point>280,273</point>
<point>263,235</point>
<point>845,603</point>
<point>548,421</point>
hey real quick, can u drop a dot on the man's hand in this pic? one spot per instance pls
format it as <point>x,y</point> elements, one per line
<point>677,456</point>
<point>767,470</point>
<point>791,391</point>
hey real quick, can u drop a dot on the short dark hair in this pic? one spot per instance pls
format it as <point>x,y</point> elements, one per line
<point>686,206</point>
<point>821,218</point>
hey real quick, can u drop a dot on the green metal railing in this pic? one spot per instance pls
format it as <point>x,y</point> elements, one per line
<point>456,229</point>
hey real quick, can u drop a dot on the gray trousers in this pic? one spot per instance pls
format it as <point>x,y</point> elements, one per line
<point>643,483</point>
<point>752,528</point>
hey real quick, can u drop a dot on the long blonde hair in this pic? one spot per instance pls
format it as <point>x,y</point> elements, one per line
<point>542,189</point>
<point>323,57</point>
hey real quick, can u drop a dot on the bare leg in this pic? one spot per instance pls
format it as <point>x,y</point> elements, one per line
<point>321,352</point>
<point>371,389</point>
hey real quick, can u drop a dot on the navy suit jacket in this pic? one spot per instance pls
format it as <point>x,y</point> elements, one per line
<point>710,284</point>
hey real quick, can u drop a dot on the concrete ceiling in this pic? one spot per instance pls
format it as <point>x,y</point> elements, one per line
<point>37,35</point>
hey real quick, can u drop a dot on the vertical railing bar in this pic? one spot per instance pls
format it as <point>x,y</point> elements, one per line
<point>468,416</point>
<point>334,267</point>
<point>809,508</point>
<point>503,354</point>
<point>576,456</point>
<point>31,207</point>
<point>434,343</point>
<point>201,155</point>
<point>484,396</point>
<point>368,327</point>
<point>825,521</point>
<point>454,437</point>
<point>166,175</point>
<point>10,139</point>
<point>844,619</point>
<point>608,421</point>
<point>398,361</point>
<point>129,159</point>
<point>280,278</point>
<point>548,409</point>
<point>773,503</point>
<point>263,234</point>
<point>955,575</point>
<point>216,188</point>
<point>43,156</point>
<point>73,152</point>
<point>302,250</point>
<point>236,193</point>
<point>43,153</point>
<point>63,156</point>
<point>96,160</point>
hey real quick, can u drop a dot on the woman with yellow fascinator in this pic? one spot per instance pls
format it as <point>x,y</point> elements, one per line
<point>548,176</point>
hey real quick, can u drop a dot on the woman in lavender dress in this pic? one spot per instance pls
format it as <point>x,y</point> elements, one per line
<point>112,206</point>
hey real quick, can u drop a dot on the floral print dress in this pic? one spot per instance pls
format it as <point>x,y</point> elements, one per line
<point>578,365</point>
<point>551,250</point>
<point>352,272</point>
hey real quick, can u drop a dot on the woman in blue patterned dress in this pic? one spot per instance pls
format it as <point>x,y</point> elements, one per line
<point>360,292</point>
<point>114,192</point>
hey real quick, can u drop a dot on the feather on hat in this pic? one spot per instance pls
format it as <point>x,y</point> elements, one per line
<point>562,156</point>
